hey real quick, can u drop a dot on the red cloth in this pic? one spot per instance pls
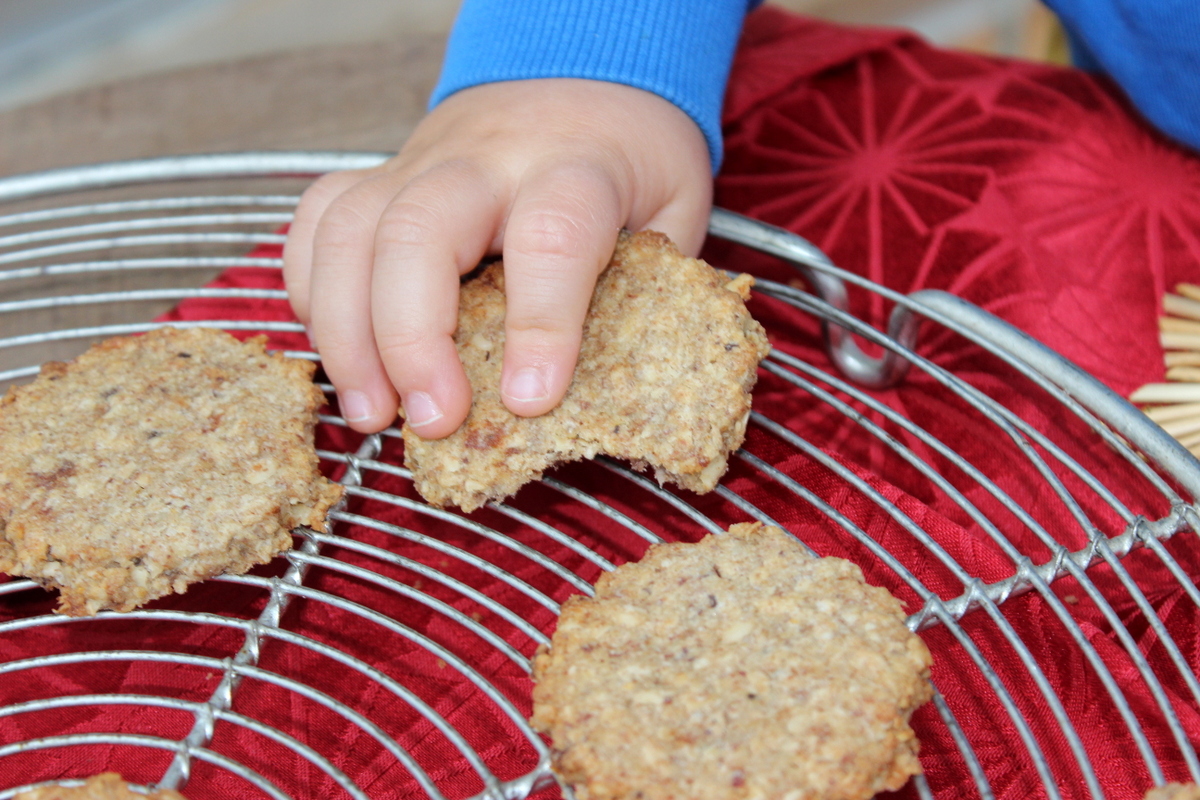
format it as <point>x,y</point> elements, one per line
<point>1030,190</point>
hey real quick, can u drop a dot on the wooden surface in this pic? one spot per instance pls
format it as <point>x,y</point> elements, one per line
<point>363,97</point>
<point>359,97</point>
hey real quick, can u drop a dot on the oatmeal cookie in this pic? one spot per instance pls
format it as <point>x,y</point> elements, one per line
<point>152,462</point>
<point>668,358</point>
<point>736,667</point>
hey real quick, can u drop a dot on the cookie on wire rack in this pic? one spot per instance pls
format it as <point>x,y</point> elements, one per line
<point>152,462</point>
<point>736,667</point>
<point>667,361</point>
<point>106,786</point>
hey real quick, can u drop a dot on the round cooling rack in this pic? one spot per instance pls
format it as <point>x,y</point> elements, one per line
<point>1026,515</point>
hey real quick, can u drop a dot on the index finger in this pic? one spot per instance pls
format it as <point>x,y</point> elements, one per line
<point>436,229</point>
<point>560,235</point>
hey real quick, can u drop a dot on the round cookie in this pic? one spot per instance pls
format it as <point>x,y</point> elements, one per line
<point>736,667</point>
<point>152,462</point>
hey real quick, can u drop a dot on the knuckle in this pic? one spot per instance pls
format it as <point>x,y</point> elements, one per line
<point>399,342</point>
<point>344,221</point>
<point>543,327</point>
<point>549,234</point>
<point>542,330</point>
<point>326,189</point>
<point>407,225</point>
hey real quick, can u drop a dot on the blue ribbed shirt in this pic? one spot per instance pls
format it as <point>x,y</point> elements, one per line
<point>1150,48</point>
<point>682,50</point>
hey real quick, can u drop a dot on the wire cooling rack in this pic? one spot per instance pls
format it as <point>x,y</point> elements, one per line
<point>274,704</point>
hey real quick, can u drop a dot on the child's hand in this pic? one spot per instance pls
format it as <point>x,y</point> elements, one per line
<point>545,172</point>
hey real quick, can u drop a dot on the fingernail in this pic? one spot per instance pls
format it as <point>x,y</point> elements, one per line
<point>420,409</point>
<point>355,406</point>
<point>526,384</point>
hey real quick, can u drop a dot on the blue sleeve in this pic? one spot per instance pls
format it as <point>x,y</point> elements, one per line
<point>1151,48</point>
<point>681,50</point>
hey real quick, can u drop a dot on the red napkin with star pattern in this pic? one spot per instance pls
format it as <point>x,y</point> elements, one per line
<point>1033,191</point>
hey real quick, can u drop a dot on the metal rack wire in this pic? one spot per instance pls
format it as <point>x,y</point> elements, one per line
<point>465,601</point>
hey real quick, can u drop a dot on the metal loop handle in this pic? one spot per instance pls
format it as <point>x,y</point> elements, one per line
<point>872,373</point>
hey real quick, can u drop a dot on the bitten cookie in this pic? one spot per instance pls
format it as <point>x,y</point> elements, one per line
<point>736,667</point>
<point>668,358</point>
<point>106,786</point>
<point>152,462</point>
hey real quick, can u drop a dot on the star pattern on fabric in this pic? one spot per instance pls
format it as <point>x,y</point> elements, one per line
<point>1001,183</point>
<point>1032,191</point>
<point>1038,194</point>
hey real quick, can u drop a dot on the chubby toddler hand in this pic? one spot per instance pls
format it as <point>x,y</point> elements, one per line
<point>543,172</point>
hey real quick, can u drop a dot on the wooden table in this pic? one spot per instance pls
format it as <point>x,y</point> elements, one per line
<point>358,97</point>
<point>361,97</point>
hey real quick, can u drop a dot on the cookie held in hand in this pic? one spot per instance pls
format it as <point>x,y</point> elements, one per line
<point>152,462</point>
<point>736,667</point>
<point>667,361</point>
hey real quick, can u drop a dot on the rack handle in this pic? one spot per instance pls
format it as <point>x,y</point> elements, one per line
<point>870,372</point>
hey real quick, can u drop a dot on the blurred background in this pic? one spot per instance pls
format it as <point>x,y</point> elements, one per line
<point>86,82</point>
<point>50,47</point>
<point>90,81</point>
